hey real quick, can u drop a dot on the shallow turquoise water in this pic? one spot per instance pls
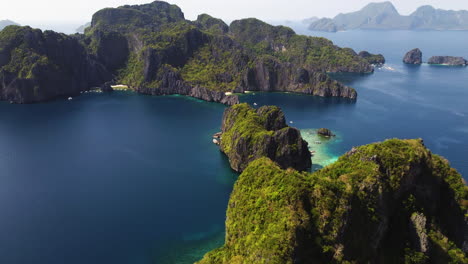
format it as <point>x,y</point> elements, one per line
<point>397,101</point>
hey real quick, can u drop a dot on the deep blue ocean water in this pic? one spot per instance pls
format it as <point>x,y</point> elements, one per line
<point>110,178</point>
<point>130,179</point>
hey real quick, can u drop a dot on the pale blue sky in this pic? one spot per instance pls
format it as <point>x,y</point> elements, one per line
<point>81,10</point>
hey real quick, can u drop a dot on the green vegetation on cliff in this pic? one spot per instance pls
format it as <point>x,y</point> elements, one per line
<point>37,66</point>
<point>249,134</point>
<point>214,67</point>
<point>208,53</point>
<point>376,59</point>
<point>15,55</point>
<point>211,24</point>
<point>311,53</point>
<point>265,216</point>
<point>389,202</point>
<point>243,123</point>
<point>153,49</point>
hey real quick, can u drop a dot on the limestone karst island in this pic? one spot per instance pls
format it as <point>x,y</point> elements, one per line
<point>154,133</point>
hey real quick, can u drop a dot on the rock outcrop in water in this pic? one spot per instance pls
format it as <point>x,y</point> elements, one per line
<point>389,202</point>
<point>37,66</point>
<point>413,56</point>
<point>325,132</point>
<point>248,134</point>
<point>153,49</point>
<point>448,60</point>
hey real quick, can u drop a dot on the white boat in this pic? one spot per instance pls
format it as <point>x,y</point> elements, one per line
<point>291,122</point>
<point>70,98</point>
<point>255,104</point>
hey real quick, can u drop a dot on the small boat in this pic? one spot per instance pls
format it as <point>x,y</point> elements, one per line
<point>318,142</point>
<point>215,141</point>
<point>70,98</point>
<point>255,104</point>
<point>291,122</point>
<point>217,135</point>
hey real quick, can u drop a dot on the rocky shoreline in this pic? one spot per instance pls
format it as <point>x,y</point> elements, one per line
<point>155,50</point>
<point>448,60</point>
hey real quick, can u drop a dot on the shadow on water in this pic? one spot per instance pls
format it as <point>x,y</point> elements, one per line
<point>412,69</point>
<point>297,102</point>
<point>229,177</point>
<point>350,78</point>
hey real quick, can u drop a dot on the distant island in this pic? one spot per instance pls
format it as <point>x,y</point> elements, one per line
<point>5,23</point>
<point>384,16</point>
<point>154,50</point>
<point>81,29</point>
<point>414,56</point>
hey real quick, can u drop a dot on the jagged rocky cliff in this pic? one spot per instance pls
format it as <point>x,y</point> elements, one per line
<point>248,134</point>
<point>36,66</point>
<point>389,202</point>
<point>154,50</point>
<point>413,56</point>
<point>173,55</point>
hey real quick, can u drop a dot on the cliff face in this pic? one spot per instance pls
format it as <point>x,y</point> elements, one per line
<point>270,75</point>
<point>389,202</point>
<point>311,53</point>
<point>153,49</point>
<point>37,66</point>
<point>448,60</point>
<point>211,24</point>
<point>249,134</point>
<point>209,55</point>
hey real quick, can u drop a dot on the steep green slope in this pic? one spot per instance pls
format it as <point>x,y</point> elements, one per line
<point>154,50</point>
<point>310,53</point>
<point>248,134</point>
<point>389,202</point>
<point>168,54</point>
<point>37,66</point>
